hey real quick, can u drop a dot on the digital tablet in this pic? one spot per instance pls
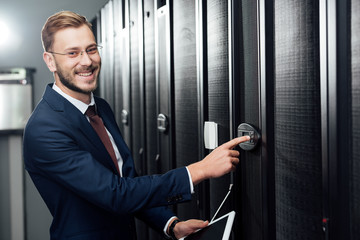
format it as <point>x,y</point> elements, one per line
<point>219,229</point>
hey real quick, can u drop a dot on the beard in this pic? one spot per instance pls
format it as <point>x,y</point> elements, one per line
<point>68,81</point>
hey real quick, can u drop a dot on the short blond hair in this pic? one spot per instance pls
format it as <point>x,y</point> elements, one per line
<point>59,21</point>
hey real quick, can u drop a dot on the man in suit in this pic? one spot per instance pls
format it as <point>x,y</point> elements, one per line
<point>91,189</point>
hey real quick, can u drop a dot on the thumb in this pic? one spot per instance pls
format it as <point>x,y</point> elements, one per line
<point>201,224</point>
<point>195,224</point>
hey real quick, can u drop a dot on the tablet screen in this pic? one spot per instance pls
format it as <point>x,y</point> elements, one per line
<point>217,230</point>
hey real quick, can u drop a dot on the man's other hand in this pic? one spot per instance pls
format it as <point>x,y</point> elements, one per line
<point>185,228</point>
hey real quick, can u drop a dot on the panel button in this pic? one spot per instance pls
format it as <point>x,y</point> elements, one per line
<point>246,129</point>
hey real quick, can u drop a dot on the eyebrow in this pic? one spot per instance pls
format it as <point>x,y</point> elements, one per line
<point>78,48</point>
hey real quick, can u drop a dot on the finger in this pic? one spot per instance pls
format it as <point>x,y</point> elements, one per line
<point>236,141</point>
<point>235,161</point>
<point>234,153</point>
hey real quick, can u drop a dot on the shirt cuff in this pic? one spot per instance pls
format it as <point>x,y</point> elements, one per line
<point>167,225</point>
<point>191,182</point>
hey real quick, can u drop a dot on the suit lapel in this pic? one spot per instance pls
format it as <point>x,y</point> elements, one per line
<point>79,121</point>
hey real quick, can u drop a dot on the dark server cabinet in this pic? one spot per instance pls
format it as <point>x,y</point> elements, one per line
<point>118,60</point>
<point>288,68</point>
<point>136,90</point>
<point>276,71</point>
<point>164,85</point>
<point>148,78</point>
<point>340,118</point>
<point>121,69</point>
<point>218,91</point>
<point>252,103</point>
<point>107,41</point>
<point>354,130</point>
<point>137,101</point>
<point>186,95</point>
<point>298,167</point>
<point>150,87</point>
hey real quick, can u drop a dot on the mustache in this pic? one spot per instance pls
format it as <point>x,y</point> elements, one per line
<point>85,69</point>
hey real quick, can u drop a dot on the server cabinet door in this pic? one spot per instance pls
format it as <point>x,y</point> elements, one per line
<point>164,85</point>
<point>118,85</point>
<point>354,130</point>
<point>218,92</point>
<point>186,95</point>
<point>126,115</point>
<point>137,101</point>
<point>147,72</point>
<point>298,181</point>
<point>107,37</point>
<point>150,87</point>
<point>136,91</point>
<point>250,195</point>
<point>281,98</point>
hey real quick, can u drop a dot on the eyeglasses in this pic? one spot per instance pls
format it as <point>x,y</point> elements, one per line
<point>75,53</point>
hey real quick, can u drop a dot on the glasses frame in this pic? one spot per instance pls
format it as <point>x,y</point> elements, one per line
<point>80,53</point>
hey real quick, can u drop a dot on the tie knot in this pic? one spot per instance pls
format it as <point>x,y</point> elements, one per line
<point>91,111</point>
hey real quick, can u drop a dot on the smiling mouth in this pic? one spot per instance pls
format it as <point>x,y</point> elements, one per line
<point>85,74</point>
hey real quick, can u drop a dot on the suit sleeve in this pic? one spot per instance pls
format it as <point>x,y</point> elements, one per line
<point>52,150</point>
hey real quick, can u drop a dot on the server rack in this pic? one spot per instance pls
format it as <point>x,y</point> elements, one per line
<point>353,168</point>
<point>119,22</point>
<point>251,95</point>
<point>164,84</point>
<point>185,95</point>
<point>297,116</point>
<point>218,90</point>
<point>147,72</point>
<point>289,69</point>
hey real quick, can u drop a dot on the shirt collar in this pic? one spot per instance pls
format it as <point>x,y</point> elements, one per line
<point>77,103</point>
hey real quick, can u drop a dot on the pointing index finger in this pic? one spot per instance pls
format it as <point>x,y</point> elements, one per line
<point>236,141</point>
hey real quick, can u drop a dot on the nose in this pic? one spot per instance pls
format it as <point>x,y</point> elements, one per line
<point>85,59</point>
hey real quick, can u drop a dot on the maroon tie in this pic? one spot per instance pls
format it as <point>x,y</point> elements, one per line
<point>99,128</point>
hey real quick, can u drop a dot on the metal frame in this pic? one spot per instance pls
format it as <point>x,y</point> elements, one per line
<point>341,163</point>
<point>335,109</point>
<point>201,62</point>
<point>143,150</point>
<point>126,74</point>
<point>110,32</point>
<point>118,88</point>
<point>201,71</point>
<point>324,89</point>
<point>232,90</point>
<point>266,115</point>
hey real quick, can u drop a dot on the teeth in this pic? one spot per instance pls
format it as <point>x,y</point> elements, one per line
<point>85,74</point>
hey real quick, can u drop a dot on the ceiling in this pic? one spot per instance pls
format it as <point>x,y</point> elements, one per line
<point>39,8</point>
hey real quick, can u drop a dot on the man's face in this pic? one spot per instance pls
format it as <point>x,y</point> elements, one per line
<point>78,74</point>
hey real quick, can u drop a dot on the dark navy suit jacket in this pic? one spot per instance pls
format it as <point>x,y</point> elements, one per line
<point>79,183</point>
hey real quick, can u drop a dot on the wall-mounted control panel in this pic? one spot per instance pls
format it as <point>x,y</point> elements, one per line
<point>210,135</point>
<point>246,129</point>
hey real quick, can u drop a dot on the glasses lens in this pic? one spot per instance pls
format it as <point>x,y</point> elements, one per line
<point>92,50</point>
<point>73,54</point>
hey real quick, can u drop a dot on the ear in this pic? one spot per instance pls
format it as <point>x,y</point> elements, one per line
<point>50,61</point>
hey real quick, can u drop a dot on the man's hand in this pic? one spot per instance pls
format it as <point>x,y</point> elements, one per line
<point>185,228</point>
<point>219,162</point>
